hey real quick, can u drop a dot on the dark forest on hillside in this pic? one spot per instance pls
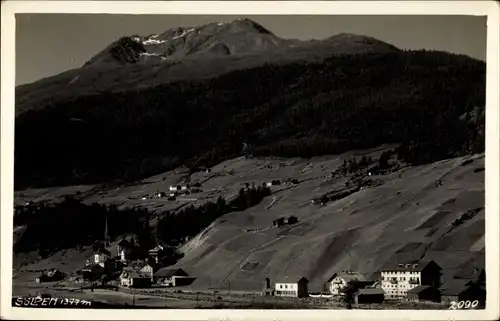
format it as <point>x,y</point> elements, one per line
<point>416,98</point>
<point>86,224</point>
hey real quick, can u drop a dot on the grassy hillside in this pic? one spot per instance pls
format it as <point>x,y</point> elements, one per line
<point>297,109</point>
<point>407,216</point>
<point>403,215</point>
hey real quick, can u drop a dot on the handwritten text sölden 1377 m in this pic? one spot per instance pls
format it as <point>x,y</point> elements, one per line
<point>48,302</point>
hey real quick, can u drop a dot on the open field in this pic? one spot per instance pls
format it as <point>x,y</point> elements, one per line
<point>407,216</point>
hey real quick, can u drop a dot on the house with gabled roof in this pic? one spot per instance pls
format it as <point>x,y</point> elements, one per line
<point>172,277</point>
<point>155,252</point>
<point>398,278</point>
<point>291,286</point>
<point>339,280</point>
<point>125,249</point>
<point>134,279</point>
<point>423,293</point>
<point>369,295</point>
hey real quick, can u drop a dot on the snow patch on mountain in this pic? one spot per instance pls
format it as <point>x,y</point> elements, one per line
<point>153,42</point>
<point>184,33</point>
<point>147,54</point>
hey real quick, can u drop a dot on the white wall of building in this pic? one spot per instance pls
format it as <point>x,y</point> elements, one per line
<point>336,285</point>
<point>397,283</point>
<point>286,289</point>
<point>123,255</point>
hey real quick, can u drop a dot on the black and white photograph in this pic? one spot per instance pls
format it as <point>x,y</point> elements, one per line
<point>255,158</point>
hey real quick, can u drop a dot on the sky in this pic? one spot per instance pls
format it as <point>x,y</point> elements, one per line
<point>48,44</point>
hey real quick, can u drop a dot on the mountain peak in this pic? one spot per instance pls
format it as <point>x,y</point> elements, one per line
<point>247,25</point>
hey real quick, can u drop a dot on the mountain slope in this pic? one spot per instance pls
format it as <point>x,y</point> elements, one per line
<point>396,217</point>
<point>290,109</point>
<point>185,54</point>
<point>241,36</point>
<point>408,217</point>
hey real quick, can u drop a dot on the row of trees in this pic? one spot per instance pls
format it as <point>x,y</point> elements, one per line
<point>352,165</point>
<point>173,228</point>
<point>70,223</point>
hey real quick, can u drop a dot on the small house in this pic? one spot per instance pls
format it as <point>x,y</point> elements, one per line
<point>291,220</point>
<point>54,274</point>
<point>141,266</point>
<point>100,257</point>
<point>124,250</point>
<point>274,182</point>
<point>369,295</point>
<point>160,194</point>
<point>155,253</point>
<point>175,188</point>
<point>135,279</point>
<point>339,281</point>
<point>423,293</point>
<point>280,221</point>
<point>92,272</point>
<point>172,277</point>
<point>291,287</point>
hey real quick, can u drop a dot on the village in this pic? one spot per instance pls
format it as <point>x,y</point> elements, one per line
<point>416,283</point>
<point>124,267</point>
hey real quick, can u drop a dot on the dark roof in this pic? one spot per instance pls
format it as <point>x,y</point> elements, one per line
<point>408,266</point>
<point>138,264</point>
<point>291,279</point>
<point>134,274</point>
<point>102,251</point>
<point>348,276</point>
<point>370,291</point>
<point>418,289</point>
<point>169,272</point>
<point>124,243</point>
<point>92,266</point>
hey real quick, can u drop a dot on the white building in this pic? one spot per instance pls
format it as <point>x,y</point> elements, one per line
<point>178,188</point>
<point>398,279</point>
<point>291,287</point>
<point>124,249</point>
<point>339,281</point>
<point>100,258</point>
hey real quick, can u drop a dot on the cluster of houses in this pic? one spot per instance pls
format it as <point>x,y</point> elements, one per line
<point>52,275</point>
<point>142,273</point>
<point>281,221</point>
<point>277,182</point>
<point>175,191</point>
<point>414,282</point>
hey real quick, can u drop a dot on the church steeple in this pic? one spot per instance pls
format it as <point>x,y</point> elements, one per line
<point>106,235</point>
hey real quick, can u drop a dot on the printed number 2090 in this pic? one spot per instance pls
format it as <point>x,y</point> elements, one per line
<point>463,304</point>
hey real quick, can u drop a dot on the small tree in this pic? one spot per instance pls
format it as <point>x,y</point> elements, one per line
<point>348,292</point>
<point>383,161</point>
